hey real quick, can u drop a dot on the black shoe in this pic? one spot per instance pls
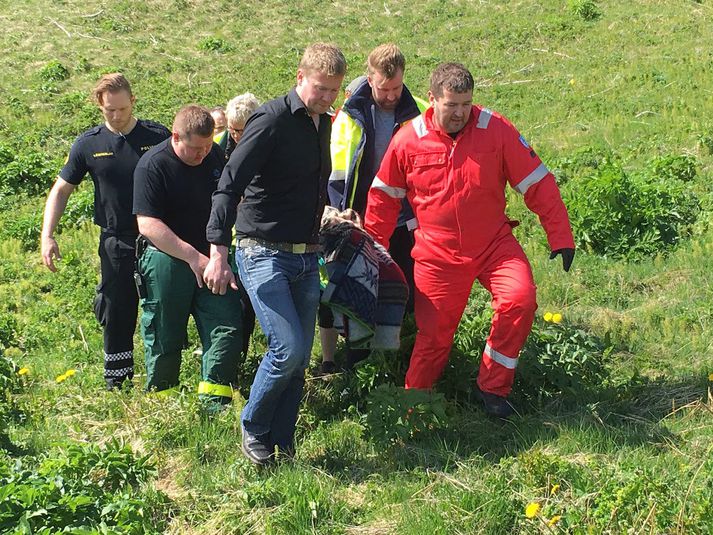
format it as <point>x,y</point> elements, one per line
<point>328,367</point>
<point>355,356</point>
<point>118,383</point>
<point>257,449</point>
<point>494,405</point>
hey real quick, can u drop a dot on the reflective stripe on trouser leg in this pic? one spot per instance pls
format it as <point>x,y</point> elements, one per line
<point>116,304</point>
<point>508,277</point>
<point>441,293</point>
<point>119,365</point>
<point>210,389</point>
<point>219,322</point>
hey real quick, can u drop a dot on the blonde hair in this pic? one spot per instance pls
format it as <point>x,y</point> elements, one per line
<point>387,60</point>
<point>193,120</point>
<point>241,107</point>
<point>112,82</point>
<point>324,58</point>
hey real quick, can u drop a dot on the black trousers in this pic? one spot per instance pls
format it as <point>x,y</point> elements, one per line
<point>116,304</point>
<point>400,250</point>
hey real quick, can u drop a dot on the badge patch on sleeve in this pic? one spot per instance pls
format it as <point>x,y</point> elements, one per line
<point>524,143</point>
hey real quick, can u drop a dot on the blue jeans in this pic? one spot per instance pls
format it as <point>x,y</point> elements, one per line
<point>284,291</point>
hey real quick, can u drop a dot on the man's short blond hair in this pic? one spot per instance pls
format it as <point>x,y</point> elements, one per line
<point>241,107</point>
<point>112,82</point>
<point>193,120</point>
<point>387,60</point>
<point>324,58</point>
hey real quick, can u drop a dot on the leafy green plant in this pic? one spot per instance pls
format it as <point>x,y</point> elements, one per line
<point>395,415</point>
<point>215,44</point>
<point>632,216</point>
<point>80,208</point>
<point>582,162</point>
<point>9,385</point>
<point>587,10</point>
<point>25,227</point>
<point>54,71</point>
<point>678,167</point>
<point>563,362</point>
<point>27,172</point>
<point>79,488</point>
<point>8,329</point>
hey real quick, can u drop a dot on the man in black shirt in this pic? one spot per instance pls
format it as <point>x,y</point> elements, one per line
<point>174,182</point>
<point>281,167</point>
<point>109,154</point>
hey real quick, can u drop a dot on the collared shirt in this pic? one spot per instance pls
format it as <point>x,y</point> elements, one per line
<point>280,167</point>
<point>110,160</point>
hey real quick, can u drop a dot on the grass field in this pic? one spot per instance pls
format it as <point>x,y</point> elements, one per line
<point>615,430</point>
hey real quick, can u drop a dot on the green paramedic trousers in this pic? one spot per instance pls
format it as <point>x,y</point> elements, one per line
<point>173,294</point>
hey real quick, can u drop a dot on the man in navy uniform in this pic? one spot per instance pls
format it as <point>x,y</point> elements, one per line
<point>108,153</point>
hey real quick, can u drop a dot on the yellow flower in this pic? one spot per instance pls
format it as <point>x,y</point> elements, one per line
<point>23,371</point>
<point>548,316</point>
<point>532,509</point>
<point>571,81</point>
<point>70,372</point>
<point>557,318</point>
<point>554,520</point>
<point>555,488</point>
<point>710,377</point>
<point>61,378</point>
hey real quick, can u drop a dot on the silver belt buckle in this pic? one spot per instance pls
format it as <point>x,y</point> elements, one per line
<point>299,248</point>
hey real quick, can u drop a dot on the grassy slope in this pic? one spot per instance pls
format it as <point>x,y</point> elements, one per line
<point>636,81</point>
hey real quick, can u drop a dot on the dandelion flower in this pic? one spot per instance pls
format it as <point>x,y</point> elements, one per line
<point>70,372</point>
<point>710,377</point>
<point>557,318</point>
<point>61,378</point>
<point>532,509</point>
<point>555,488</point>
<point>571,81</point>
<point>23,371</point>
<point>548,316</point>
<point>554,520</point>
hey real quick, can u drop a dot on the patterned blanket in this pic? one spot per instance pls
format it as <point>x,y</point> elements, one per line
<point>366,289</point>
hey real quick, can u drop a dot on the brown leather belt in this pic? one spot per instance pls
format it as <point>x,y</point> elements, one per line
<point>295,248</point>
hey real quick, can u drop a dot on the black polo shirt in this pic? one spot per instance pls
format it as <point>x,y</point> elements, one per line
<point>176,193</point>
<point>281,166</point>
<point>110,160</point>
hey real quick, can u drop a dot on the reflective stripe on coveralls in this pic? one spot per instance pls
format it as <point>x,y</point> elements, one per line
<point>533,178</point>
<point>396,193</point>
<point>457,190</point>
<point>501,359</point>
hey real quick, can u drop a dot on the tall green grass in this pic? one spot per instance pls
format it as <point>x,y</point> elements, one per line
<point>588,83</point>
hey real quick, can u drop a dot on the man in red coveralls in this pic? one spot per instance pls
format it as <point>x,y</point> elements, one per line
<point>452,163</point>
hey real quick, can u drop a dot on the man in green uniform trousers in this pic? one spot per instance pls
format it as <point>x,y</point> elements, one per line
<point>173,185</point>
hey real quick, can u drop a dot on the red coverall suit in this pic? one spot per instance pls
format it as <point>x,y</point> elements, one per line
<point>457,190</point>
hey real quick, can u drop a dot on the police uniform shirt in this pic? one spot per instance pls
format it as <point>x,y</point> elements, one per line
<point>176,193</point>
<point>110,160</point>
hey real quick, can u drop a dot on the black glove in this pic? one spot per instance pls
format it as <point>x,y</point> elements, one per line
<point>567,257</point>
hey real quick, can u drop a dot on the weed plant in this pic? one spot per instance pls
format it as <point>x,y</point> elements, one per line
<point>613,429</point>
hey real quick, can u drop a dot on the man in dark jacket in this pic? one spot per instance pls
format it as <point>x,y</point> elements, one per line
<point>362,131</point>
